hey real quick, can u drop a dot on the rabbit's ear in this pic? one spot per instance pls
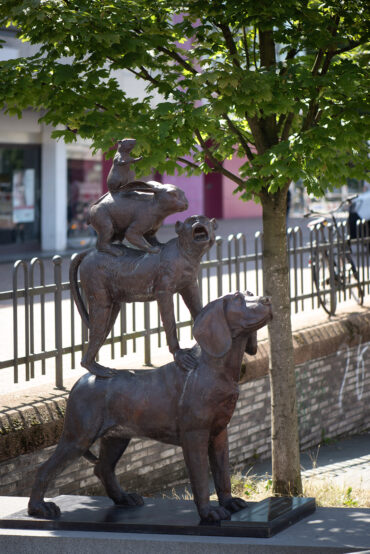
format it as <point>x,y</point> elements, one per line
<point>211,330</point>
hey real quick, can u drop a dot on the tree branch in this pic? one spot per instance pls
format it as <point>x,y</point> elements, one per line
<point>352,44</point>
<point>318,117</point>
<point>258,134</point>
<point>317,63</point>
<point>229,41</point>
<point>290,55</point>
<point>325,66</point>
<point>144,75</point>
<point>238,133</point>
<point>268,59</point>
<point>287,126</point>
<point>246,50</point>
<point>175,56</point>
<point>254,47</point>
<point>215,162</point>
<point>313,108</point>
<point>280,122</point>
<point>267,48</point>
<point>188,162</point>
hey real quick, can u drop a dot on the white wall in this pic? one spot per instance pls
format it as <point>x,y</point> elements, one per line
<point>54,193</point>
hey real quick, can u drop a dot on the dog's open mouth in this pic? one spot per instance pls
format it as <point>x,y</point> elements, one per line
<point>200,233</point>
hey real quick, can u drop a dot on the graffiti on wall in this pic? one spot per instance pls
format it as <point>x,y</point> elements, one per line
<point>356,356</point>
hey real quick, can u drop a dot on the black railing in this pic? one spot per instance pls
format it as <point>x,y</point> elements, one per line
<point>40,322</point>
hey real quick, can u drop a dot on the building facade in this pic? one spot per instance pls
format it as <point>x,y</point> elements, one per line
<point>47,186</point>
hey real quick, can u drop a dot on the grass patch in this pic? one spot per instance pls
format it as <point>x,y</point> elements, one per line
<point>326,491</point>
<point>330,494</point>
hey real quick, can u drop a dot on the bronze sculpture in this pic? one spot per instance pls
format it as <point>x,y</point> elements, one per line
<point>120,173</point>
<point>163,404</point>
<point>136,276</point>
<point>135,213</point>
<point>132,209</point>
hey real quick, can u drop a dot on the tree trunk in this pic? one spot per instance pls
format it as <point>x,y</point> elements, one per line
<point>286,474</point>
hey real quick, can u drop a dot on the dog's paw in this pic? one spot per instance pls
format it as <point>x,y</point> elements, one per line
<point>213,513</point>
<point>235,504</point>
<point>185,359</point>
<point>45,510</point>
<point>129,499</point>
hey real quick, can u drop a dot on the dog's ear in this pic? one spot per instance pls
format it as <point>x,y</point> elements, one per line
<point>214,223</point>
<point>178,227</point>
<point>251,346</point>
<point>211,330</point>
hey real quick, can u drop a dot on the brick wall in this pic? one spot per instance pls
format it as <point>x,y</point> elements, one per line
<point>333,392</point>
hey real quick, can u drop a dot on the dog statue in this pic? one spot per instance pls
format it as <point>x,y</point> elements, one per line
<point>135,276</point>
<point>188,409</point>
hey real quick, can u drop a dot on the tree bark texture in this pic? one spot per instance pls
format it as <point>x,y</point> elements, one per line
<point>284,418</point>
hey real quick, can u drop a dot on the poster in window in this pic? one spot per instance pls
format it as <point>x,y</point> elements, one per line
<point>6,202</point>
<point>24,196</point>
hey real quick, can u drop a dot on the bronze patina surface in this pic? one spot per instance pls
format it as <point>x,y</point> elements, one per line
<point>121,173</point>
<point>191,409</point>
<point>135,213</point>
<point>136,276</point>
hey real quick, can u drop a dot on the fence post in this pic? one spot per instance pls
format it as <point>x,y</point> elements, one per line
<point>333,291</point>
<point>57,261</point>
<point>257,237</point>
<point>147,357</point>
<point>237,259</point>
<point>40,263</point>
<point>219,265</point>
<point>15,318</point>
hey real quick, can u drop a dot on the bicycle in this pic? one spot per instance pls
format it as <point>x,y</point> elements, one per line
<point>332,264</point>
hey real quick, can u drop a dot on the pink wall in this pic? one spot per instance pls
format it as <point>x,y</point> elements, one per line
<point>193,188</point>
<point>233,206</point>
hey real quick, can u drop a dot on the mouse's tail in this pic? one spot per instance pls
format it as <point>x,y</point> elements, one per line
<point>75,289</point>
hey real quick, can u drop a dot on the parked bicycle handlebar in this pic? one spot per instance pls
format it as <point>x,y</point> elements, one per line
<point>347,200</point>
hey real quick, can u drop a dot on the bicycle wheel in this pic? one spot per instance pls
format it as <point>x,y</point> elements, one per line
<point>353,281</point>
<point>322,279</point>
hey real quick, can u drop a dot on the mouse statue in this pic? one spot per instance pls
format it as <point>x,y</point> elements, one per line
<point>120,173</point>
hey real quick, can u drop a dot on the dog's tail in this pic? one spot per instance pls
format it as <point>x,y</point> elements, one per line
<point>73,269</point>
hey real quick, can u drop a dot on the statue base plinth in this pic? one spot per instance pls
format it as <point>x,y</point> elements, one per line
<point>165,516</point>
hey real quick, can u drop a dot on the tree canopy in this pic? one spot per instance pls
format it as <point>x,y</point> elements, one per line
<point>282,84</point>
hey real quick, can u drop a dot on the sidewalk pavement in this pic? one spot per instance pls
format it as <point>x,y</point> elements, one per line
<point>345,462</point>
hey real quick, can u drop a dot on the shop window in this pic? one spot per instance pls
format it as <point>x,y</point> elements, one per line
<point>84,187</point>
<point>19,196</point>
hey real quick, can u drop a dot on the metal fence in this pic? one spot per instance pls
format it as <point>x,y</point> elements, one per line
<point>42,328</point>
